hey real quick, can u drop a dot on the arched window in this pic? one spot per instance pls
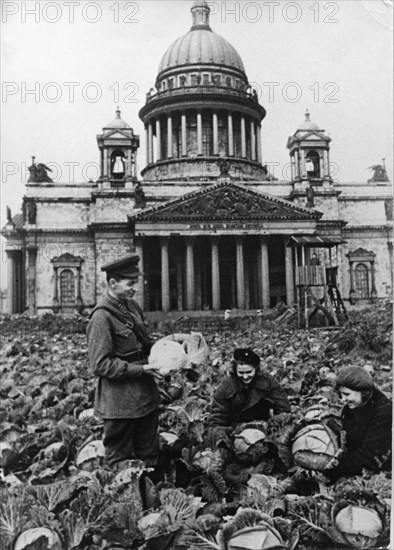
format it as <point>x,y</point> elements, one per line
<point>361,281</point>
<point>67,283</point>
<point>312,160</point>
<point>67,290</point>
<point>118,167</point>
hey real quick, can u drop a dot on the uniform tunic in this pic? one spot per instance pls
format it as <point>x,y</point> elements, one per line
<point>117,357</point>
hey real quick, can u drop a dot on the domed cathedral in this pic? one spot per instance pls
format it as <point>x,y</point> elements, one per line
<point>203,109</point>
<point>213,229</point>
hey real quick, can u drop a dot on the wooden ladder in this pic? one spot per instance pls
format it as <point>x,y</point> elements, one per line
<point>336,300</point>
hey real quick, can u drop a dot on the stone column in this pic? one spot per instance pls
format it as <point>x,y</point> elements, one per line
<point>265,273</point>
<point>230,135</point>
<point>352,291</point>
<point>10,281</point>
<point>129,164</point>
<point>102,162</point>
<point>303,164</point>
<point>243,138</point>
<point>165,275</point>
<point>199,134</point>
<point>140,295</point>
<point>190,274</point>
<point>55,301</point>
<point>292,168</point>
<point>289,276</point>
<point>179,282</point>
<point>252,141</point>
<point>105,168</point>
<point>328,171</point>
<point>298,163</point>
<point>158,140</point>
<point>31,270</point>
<point>351,277</point>
<point>240,269</point>
<point>184,136</point>
<point>373,280</point>
<point>150,143</point>
<point>259,151</point>
<point>135,164</point>
<point>147,143</point>
<point>79,296</point>
<point>169,137</point>
<point>215,273</point>
<point>215,134</point>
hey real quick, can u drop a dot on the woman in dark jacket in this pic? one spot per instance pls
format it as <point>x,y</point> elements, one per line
<point>367,422</point>
<point>247,394</point>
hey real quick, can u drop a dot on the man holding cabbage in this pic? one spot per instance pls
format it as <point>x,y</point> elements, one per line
<point>127,397</point>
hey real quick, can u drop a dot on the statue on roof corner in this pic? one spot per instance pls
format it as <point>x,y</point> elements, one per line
<point>39,173</point>
<point>379,173</point>
<point>139,196</point>
<point>9,215</point>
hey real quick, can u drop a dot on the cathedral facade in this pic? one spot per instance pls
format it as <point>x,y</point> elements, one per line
<point>214,230</point>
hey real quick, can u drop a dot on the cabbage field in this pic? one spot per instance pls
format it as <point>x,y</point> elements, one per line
<point>266,492</point>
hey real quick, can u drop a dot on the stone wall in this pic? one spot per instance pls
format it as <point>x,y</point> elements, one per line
<point>62,215</point>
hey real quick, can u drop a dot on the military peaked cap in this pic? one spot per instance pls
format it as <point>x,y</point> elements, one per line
<point>247,356</point>
<point>124,267</point>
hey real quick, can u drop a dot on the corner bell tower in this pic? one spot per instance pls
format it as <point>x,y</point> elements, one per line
<point>118,153</point>
<point>309,154</point>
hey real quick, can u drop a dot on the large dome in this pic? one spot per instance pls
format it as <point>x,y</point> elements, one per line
<point>201,46</point>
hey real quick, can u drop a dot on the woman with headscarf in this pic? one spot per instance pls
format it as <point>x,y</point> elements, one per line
<point>367,422</point>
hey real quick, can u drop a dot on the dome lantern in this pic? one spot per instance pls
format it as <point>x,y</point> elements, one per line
<point>200,11</point>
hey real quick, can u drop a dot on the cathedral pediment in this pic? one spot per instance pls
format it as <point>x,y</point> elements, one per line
<point>313,136</point>
<point>116,135</point>
<point>226,201</point>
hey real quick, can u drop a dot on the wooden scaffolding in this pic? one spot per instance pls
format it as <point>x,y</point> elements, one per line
<point>310,275</point>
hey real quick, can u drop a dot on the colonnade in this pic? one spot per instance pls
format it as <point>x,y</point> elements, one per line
<point>156,129</point>
<point>214,254</point>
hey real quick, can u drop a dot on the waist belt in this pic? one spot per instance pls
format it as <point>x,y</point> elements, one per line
<point>134,356</point>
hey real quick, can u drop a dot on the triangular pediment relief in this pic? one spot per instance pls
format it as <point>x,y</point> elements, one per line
<point>302,135</point>
<point>313,137</point>
<point>226,201</point>
<point>117,135</point>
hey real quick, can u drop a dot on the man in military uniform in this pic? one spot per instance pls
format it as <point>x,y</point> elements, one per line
<point>127,398</point>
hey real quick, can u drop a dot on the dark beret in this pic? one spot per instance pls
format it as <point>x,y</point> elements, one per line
<point>355,378</point>
<point>247,356</point>
<point>124,267</point>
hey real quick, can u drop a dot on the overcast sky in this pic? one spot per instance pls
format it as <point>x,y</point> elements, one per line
<point>333,58</point>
